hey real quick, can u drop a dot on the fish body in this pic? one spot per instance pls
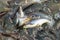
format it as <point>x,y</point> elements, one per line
<point>44,18</point>
<point>35,23</point>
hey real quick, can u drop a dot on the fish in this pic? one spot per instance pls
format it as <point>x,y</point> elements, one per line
<point>36,23</point>
<point>44,18</point>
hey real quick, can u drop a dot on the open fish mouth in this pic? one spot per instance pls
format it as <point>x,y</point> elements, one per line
<point>38,22</point>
